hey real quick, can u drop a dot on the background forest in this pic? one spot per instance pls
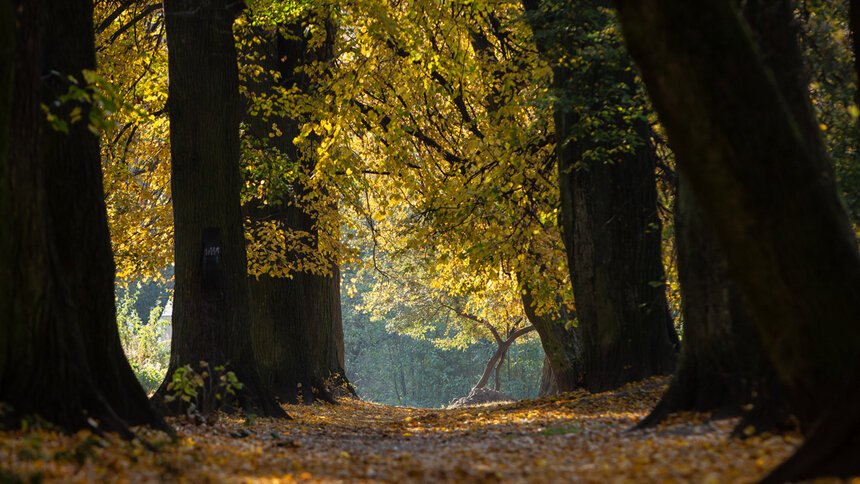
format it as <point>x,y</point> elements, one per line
<point>218,207</point>
<point>395,215</point>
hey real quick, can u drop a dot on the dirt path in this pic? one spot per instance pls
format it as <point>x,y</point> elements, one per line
<point>574,438</point>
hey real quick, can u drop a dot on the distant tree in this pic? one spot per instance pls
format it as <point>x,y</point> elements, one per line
<point>413,295</point>
<point>60,354</point>
<point>387,367</point>
<point>745,136</point>
<point>211,319</point>
<point>606,166</point>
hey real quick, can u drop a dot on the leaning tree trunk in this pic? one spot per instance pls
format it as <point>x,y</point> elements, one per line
<point>722,366</point>
<point>495,361</point>
<point>211,320</point>
<point>60,355</point>
<point>610,226</point>
<point>773,206</point>
<point>561,345</point>
<point>296,321</point>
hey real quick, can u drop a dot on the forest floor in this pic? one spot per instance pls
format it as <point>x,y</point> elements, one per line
<point>575,437</point>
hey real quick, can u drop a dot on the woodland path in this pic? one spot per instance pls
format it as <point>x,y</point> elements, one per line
<point>575,437</point>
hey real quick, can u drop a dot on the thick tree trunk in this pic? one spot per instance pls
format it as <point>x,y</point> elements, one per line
<point>770,195</point>
<point>722,366</point>
<point>610,225</point>
<point>296,321</point>
<point>561,344</point>
<point>60,355</point>
<point>211,320</point>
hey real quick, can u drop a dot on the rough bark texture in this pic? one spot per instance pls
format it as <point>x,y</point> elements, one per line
<point>610,226</point>
<point>297,327</point>
<point>60,355</point>
<point>561,344</point>
<point>773,206</point>
<point>548,385</point>
<point>722,366</point>
<point>211,320</point>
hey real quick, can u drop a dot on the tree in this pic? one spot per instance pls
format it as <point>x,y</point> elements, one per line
<point>722,367</point>
<point>61,356</point>
<point>606,166</point>
<point>295,280</point>
<point>132,57</point>
<point>441,116</point>
<point>210,304</point>
<point>563,369</point>
<point>723,364</point>
<point>773,208</point>
<point>390,363</point>
<point>414,295</point>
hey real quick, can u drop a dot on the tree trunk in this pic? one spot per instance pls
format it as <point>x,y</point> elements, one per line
<point>210,305</point>
<point>499,354</point>
<point>722,366</point>
<point>297,327</point>
<point>548,385</point>
<point>60,355</point>
<point>490,366</point>
<point>610,226</point>
<point>561,344</point>
<point>773,206</point>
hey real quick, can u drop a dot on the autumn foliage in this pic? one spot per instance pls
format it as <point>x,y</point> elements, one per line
<point>573,437</point>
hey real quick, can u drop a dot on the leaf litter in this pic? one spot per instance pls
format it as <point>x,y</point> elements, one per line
<point>573,437</point>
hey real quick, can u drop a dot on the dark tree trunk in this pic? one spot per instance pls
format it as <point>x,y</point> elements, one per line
<point>60,355</point>
<point>722,366</point>
<point>548,385</point>
<point>561,344</point>
<point>294,334</point>
<point>297,328</point>
<point>610,226</point>
<point>211,320</point>
<point>770,195</point>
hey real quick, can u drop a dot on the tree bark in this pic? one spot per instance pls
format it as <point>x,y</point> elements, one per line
<point>561,344</point>
<point>770,195</point>
<point>499,355</point>
<point>211,320</point>
<point>610,226</point>
<point>60,355</point>
<point>722,366</point>
<point>548,385</point>
<point>297,327</point>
